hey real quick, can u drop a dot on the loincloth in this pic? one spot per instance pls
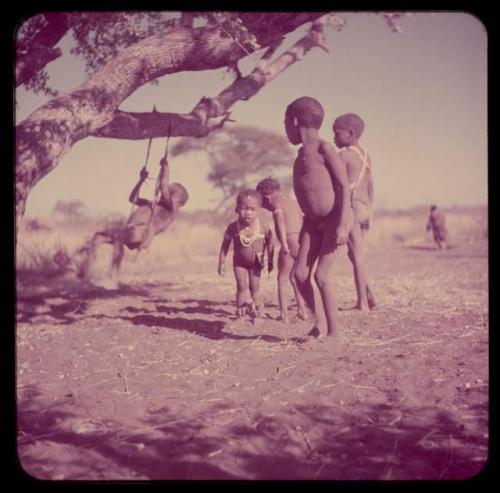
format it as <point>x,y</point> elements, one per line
<point>362,213</point>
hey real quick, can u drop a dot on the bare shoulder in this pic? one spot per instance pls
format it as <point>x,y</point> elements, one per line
<point>281,203</point>
<point>326,148</point>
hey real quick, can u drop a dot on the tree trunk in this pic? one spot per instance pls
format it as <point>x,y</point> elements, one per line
<point>49,132</point>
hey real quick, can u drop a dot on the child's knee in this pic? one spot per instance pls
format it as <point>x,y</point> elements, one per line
<point>284,277</point>
<point>301,275</point>
<point>323,278</point>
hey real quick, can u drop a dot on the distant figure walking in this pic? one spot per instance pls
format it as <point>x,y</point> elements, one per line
<point>436,223</point>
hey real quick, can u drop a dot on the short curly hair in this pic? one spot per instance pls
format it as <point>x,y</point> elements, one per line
<point>308,111</point>
<point>181,190</point>
<point>350,121</point>
<point>248,192</point>
<point>268,186</point>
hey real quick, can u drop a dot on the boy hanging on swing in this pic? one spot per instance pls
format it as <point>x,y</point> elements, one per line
<point>148,220</point>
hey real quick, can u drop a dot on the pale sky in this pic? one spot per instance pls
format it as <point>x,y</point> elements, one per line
<point>422,94</point>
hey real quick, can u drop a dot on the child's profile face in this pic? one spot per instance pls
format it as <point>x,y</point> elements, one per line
<point>342,137</point>
<point>266,201</point>
<point>292,129</point>
<point>248,209</point>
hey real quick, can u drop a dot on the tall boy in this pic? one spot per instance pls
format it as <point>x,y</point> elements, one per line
<point>322,190</point>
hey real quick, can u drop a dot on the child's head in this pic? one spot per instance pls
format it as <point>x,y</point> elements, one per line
<point>347,129</point>
<point>433,207</point>
<point>178,193</point>
<point>248,204</point>
<point>303,112</point>
<point>268,188</point>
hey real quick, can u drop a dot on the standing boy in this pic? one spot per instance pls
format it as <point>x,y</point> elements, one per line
<point>347,130</point>
<point>288,220</point>
<point>322,190</point>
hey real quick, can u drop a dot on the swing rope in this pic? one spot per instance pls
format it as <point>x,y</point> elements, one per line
<point>157,190</point>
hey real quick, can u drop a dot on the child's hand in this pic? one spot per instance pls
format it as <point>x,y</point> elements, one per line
<point>342,234</point>
<point>285,249</point>
<point>222,269</point>
<point>144,173</point>
<point>270,266</point>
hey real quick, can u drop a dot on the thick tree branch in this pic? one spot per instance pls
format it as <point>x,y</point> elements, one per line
<point>42,49</point>
<point>199,122</point>
<point>49,132</point>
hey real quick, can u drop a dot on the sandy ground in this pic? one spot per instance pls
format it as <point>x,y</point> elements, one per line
<point>157,380</point>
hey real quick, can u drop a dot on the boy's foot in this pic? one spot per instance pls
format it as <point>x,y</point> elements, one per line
<point>357,306</point>
<point>241,311</point>
<point>314,332</point>
<point>302,316</point>
<point>283,317</point>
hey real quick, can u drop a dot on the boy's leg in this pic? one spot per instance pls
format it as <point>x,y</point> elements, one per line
<point>308,253</point>
<point>254,281</point>
<point>301,308</point>
<point>355,254</point>
<point>285,264</point>
<point>369,293</point>
<point>116,261</point>
<point>328,256</point>
<point>242,294</point>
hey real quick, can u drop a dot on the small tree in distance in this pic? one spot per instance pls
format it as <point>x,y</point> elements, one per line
<point>239,157</point>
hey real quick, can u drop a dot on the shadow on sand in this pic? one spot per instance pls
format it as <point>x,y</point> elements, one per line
<point>211,329</point>
<point>307,442</point>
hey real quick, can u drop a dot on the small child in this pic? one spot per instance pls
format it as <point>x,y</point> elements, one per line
<point>322,190</point>
<point>436,223</point>
<point>250,241</point>
<point>142,226</point>
<point>347,130</point>
<point>288,219</point>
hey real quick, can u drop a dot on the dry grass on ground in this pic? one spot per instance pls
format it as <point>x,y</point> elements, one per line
<point>157,380</point>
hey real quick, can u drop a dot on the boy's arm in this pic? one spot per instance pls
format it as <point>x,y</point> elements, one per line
<point>224,248</point>
<point>337,167</point>
<point>279,221</point>
<point>270,249</point>
<point>164,181</point>
<point>134,194</point>
<point>370,186</point>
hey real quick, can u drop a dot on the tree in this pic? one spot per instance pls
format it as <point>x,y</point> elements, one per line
<point>239,157</point>
<point>124,51</point>
<point>71,211</point>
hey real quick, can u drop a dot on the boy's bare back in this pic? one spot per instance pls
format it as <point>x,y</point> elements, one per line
<point>354,166</point>
<point>141,217</point>
<point>292,214</point>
